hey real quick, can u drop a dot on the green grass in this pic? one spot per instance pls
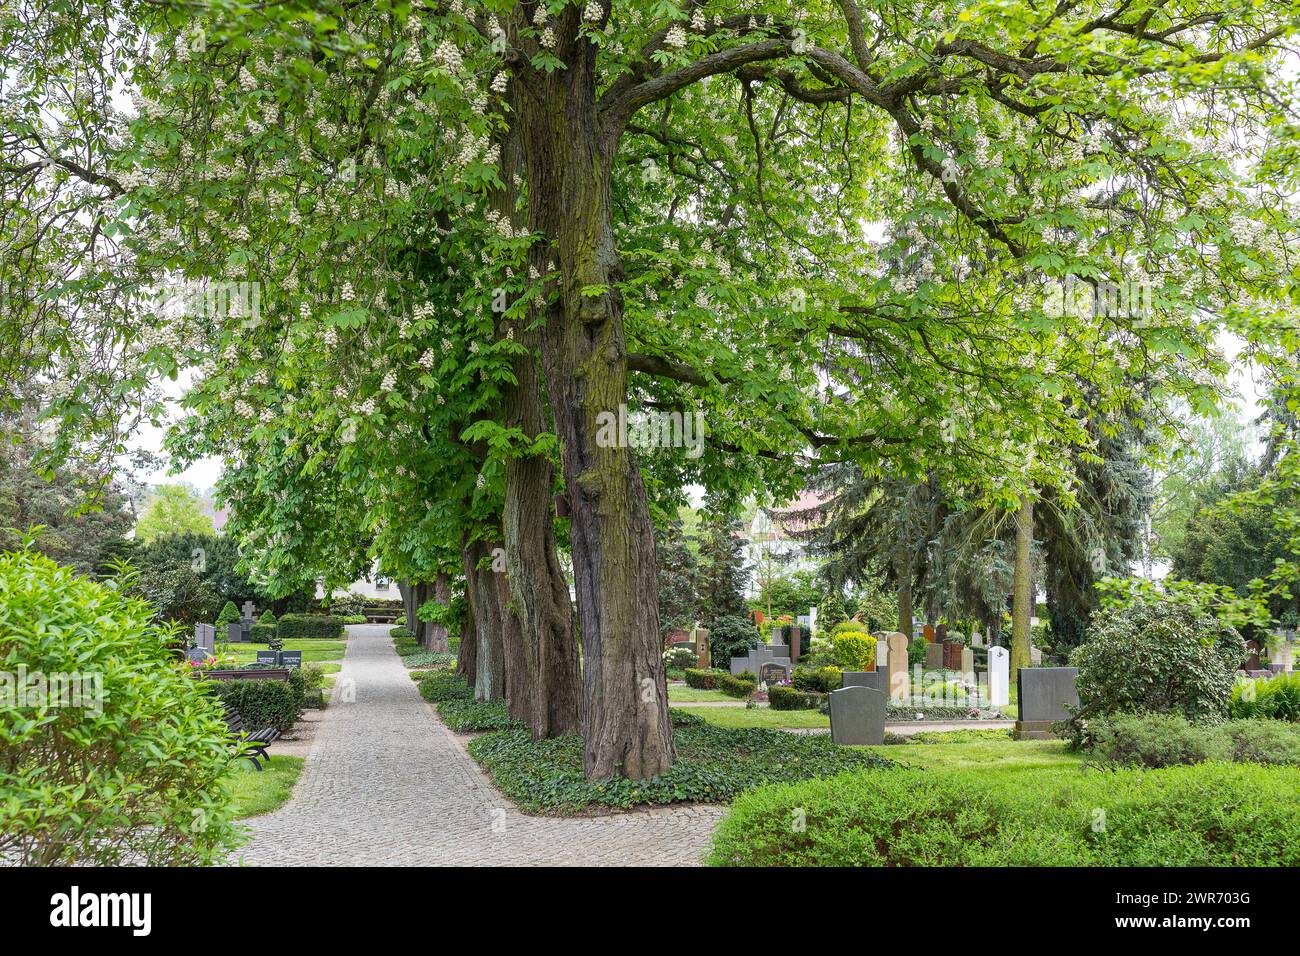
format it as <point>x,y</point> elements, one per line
<point>758,717</point>
<point>262,791</point>
<point>998,756</point>
<point>315,651</point>
<point>696,695</point>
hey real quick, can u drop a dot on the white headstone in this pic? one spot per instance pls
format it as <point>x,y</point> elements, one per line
<point>999,676</point>
<point>1035,656</point>
<point>882,652</point>
<point>812,620</point>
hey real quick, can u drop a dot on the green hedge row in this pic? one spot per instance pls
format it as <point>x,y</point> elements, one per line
<point>265,703</point>
<point>1206,815</point>
<point>297,627</point>
<point>790,698</point>
<point>1164,740</point>
<point>739,686</point>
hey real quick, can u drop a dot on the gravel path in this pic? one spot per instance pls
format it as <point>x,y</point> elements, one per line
<point>386,784</point>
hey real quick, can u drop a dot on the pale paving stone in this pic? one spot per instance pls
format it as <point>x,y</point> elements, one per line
<point>386,784</point>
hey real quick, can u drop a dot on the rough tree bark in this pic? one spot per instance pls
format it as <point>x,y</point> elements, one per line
<point>626,725</point>
<point>903,572</point>
<point>545,689</point>
<point>467,656</point>
<point>435,634</point>
<point>489,662</point>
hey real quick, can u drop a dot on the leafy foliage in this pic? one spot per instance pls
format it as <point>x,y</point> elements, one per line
<point>1164,740</point>
<point>125,763</point>
<point>729,637</point>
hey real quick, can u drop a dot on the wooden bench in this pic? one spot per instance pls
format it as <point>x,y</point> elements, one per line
<point>252,673</point>
<point>382,615</point>
<point>253,746</point>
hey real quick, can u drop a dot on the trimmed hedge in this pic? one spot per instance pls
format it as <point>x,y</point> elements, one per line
<point>739,686</point>
<point>713,765</point>
<point>1204,815</point>
<point>854,650</point>
<point>298,627</point>
<point>790,698</point>
<point>820,679</point>
<point>265,703</point>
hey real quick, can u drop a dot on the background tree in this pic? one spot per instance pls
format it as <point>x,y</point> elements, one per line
<point>679,603</point>
<point>722,570</point>
<point>173,509</point>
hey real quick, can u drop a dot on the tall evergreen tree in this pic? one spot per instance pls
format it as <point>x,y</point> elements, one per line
<point>723,571</point>
<point>678,600</point>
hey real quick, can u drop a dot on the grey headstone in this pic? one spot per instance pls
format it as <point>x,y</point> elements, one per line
<point>198,654</point>
<point>773,671</point>
<point>1044,692</point>
<point>876,680</point>
<point>933,657</point>
<point>248,611</point>
<point>235,632</point>
<point>739,665</point>
<point>205,636</point>
<point>267,657</point>
<point>858,716</point>
<point>291,659</point>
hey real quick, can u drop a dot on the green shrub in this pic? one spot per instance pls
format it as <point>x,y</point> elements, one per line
<point>352,618</point>
<point>298,627</point>
<point>821,679</point>
<point>703,680</point>
<point>313,677</point>
<point>264,703</point>
<point>855,650</point>
<point>437,686</point>
<point>679,658</point>
<point>1260,741</point>
<point>844,627</point>
<point>713,765</point>
<point>1148,740</point>
<point>790,698</point>
<point>423,658</point>
<point>119,768</point>
<point>229,615</point>
<point>467,716</point>
<point>731,636</point>
<point>1165,740</point>
<point>1274,698</point>
<point>1156,657</point>
<point>1205,815</point>
<point>401,633</point>
<point>738,686</point>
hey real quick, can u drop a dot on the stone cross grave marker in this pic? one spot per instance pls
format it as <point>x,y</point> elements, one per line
<point>248,611</point>
<point>858,716</point>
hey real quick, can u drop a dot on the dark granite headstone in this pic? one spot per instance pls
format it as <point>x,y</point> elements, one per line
<point>267,657</point>
<point>290,659</point>
<point>235,632</point>
<point>858,716</point>
<point>197,654</point>
<point>772,672</point>
<point>1043,695</point>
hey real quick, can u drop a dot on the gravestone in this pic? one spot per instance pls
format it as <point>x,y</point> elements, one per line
<point>268,657</point>
<point>999,677</point>
<point>977,639</point>
<point>676,636</point>
<point>1043,694</point>
<point>928,631</point>
<point>796,643</point>
<point>882,651</point>
<point>248,611</point>
<point>899,688</point>
<point>197,654</point>
<point>205,637</point>
<point>967,666</point>
<point>235,632</point>
<point>1035,656</point>
<point>290,659</point>
<point>1252,656</point>
<point>702,658</point>
<point>952,655</point>
<point>876,680</point>
<point>858,716</point>
<point>933,657</point>
<point>772,672</point>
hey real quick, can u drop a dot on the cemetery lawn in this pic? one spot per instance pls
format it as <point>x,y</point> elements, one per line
<point>681,692</point>
<point>758,716</point>
<point>1001,756</point>
<point>325,653</point>
<point>261,791</point>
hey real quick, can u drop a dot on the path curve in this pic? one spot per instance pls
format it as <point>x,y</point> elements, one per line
<point>386,784</point>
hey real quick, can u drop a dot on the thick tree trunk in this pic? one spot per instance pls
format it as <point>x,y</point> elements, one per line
<point>405,589</point>
<point>490,661</point>
<point>467,656</point>
<point>626,722</point>
<point>903,572</point>
<point>1022,587</point>
<point>543,677</point>
<point>435,634</point>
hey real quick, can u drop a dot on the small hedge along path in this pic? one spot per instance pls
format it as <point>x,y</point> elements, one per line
<point>387,785</point>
